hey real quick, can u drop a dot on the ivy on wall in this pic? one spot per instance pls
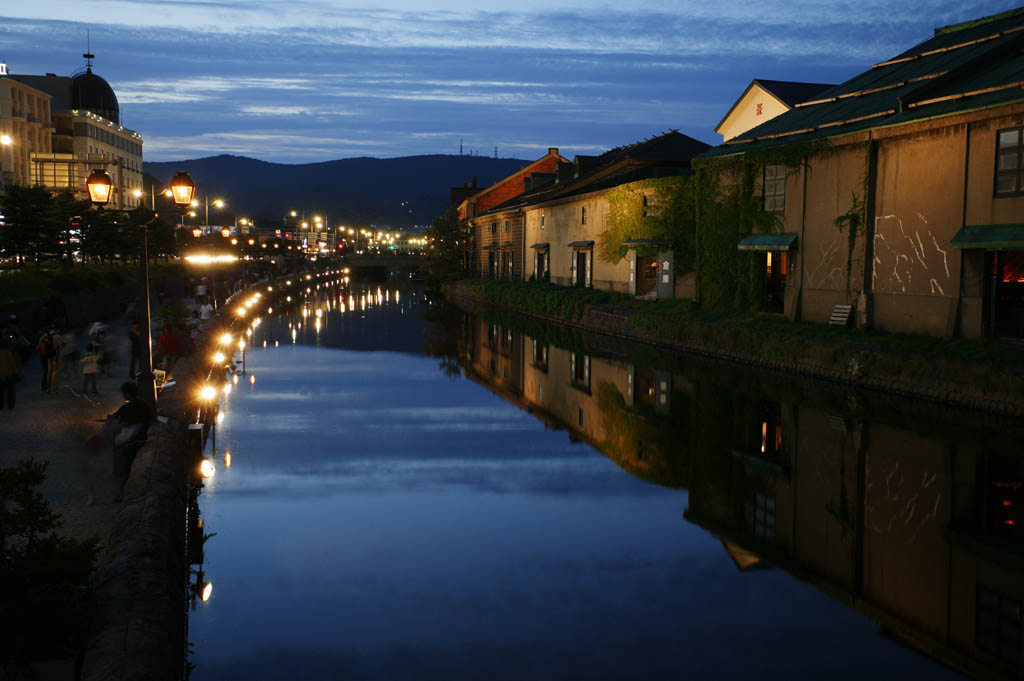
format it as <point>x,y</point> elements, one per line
<point>667,215</point>
<point>727,208</point>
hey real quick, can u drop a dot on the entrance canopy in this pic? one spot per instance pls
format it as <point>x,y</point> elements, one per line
<point>769,242</point>
<point>541,246</point>
<point>991,237</point>
<point>581,244</point>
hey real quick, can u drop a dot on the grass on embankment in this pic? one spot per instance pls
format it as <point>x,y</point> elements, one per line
<point>31,282</point>
<point>984,364</point>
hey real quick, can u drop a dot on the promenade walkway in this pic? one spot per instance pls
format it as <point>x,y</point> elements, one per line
<point>57,429</point>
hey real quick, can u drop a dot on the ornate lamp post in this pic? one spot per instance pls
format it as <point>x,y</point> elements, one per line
<point>181,192</point>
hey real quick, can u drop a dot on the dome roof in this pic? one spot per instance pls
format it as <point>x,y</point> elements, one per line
<point>92,93</point>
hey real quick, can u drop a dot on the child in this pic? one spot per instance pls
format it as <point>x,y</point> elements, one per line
<point>90,365</point>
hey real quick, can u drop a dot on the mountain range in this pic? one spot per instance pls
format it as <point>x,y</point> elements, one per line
<point>398,192</point>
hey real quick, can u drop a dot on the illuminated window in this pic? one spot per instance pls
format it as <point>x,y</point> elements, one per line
<point>775,189</point>
<point>540,356</point>
<point>764,516</point>
<point>997,625</point>
<point>542,220</point>
<point>583,215</point>
<point>1009,168</point>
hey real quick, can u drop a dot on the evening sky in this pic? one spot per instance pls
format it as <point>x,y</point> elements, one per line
<point>315,80</point>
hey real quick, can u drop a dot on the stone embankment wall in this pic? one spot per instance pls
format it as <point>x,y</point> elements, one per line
<point>850,366</point>
<point>139,631</point>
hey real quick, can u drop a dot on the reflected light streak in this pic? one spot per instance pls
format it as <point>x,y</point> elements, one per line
<point>227,459</point>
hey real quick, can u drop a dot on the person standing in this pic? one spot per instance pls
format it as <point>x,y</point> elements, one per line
<point>90,367</point>
<point>206,311</point>
<point>45,350</point>
<point>135,340</point>
<point>53,361</point>
<point>10,373</point>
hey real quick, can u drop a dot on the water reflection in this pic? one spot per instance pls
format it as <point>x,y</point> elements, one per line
<point>384,520</point>
<point>909,514</point>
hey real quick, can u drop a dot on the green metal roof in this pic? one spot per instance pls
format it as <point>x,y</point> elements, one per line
<point>991,237</point>
<point>634,243</point>
<point>769,242</point>
<point>975,65</point>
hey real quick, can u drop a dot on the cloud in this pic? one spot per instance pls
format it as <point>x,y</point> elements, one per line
<point>324,80</point>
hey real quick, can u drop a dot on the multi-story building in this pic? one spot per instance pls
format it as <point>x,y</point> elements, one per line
<point>85,134</point>
<point>900,191</point>
<point>562,226</point>
<point>762,101</point>
<point>25,127</point>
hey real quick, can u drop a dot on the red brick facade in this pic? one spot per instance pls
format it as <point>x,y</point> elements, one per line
<point>513,185</point>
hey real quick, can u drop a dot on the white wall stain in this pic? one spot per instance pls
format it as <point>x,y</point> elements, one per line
<point>936,286</point>
<point>945,260</point>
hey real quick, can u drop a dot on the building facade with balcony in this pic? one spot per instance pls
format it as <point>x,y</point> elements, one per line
<point>86,134</point>
<point>26,126</point>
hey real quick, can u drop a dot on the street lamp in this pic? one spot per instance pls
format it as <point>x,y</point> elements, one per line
<point>181,191</point>
<point>100,187</point>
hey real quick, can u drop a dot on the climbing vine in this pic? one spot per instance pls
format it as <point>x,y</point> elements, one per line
<point>658,208</point>
<point>728,207</point>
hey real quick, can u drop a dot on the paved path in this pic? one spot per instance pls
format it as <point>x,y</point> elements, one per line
<point>57,429</point>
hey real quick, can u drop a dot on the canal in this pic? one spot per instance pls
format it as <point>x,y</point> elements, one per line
<point>418,492</point>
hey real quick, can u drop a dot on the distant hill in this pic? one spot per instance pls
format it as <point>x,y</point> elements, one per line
<point>402,191</point>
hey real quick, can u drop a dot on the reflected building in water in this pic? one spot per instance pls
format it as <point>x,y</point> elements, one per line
<point>908,514</point>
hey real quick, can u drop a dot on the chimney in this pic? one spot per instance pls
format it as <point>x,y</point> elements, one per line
<point>552,151</point>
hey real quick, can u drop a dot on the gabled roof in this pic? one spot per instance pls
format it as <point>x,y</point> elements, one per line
<point>789,93</point>
<point>964,67</point>
<point>664,155</point>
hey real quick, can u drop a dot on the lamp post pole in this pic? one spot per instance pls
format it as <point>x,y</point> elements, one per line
<point>147,386</point>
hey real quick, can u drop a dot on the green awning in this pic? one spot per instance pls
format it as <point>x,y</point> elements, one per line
<point>769,242</point>
<point>991,237</point>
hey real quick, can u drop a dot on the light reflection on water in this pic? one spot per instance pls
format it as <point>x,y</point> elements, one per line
<point>380,520</point>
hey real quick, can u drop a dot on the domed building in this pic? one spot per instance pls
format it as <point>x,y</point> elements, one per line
<point>86,134</point>
<point>90,92</point>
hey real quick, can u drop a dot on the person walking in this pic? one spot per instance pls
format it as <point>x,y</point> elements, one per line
<point>90,367</point>
<point>10,373</point>
<point>69,353</point>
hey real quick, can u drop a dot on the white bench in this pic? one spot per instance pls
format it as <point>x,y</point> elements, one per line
<point>841,315</point>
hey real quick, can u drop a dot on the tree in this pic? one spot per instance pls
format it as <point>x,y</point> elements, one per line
<point>46,596</point>
<point>447,234</point>
<point>30,228</point>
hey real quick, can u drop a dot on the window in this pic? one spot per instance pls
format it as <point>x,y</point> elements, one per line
<point>650,205</point>
<point>775,189</point>
<point>997,625</point>
<point>494,227</point>
<point>1009,169</point>
<point>540,356</point>
<point>764,516</point>
<point>579,370</point>
<point>583,215</point>
<point>505,226</point>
